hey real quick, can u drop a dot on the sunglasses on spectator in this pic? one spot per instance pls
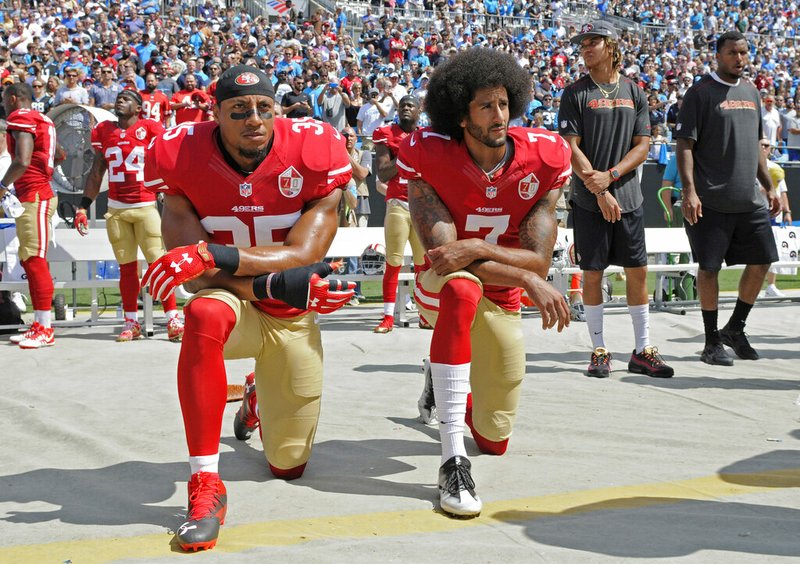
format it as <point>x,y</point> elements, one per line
<point>345,134</point>
<point>766,146</point>
<point>106,72</point>
<point>37,85</point>
<point>72,75</point>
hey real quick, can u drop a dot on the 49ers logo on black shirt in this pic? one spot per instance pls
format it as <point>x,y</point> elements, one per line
<point>246,79</point>
<point>614,103</point>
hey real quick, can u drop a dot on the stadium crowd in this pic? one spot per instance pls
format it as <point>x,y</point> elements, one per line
<point>354,73</point>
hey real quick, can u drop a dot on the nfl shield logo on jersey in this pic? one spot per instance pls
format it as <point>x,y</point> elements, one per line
<point>491,192</point>
<point>528,187</point>
<point>290,182</point>
<point>245,189</point>
<point>141,133</point>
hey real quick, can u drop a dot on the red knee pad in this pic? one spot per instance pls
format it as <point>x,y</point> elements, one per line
<point>486,446</point>
<point>290,474</point>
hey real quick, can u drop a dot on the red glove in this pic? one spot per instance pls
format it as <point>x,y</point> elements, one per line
<point>304,288</point>
<point>81,222</point>
<point>175,267</point>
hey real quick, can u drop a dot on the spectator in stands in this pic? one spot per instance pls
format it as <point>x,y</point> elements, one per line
<point>771,120</point>
<point>71,92</point>
<point>296,103</point>
<point>166,84</point>
<point>42,101</point>
<point>191,103</point>
<point>778,176</point>
<point>333,102</point>
<point>103,94</point>
<point>356,102</point>
<point>371,116</point>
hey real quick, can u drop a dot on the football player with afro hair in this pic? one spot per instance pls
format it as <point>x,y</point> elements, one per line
<point>452,87</point>
<point>482,199</point>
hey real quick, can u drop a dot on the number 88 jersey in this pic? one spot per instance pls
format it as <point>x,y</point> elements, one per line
<point>123,151</point>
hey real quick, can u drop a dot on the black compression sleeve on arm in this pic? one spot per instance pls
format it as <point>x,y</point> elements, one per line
<point>85,203</point>
<point>225,258</point>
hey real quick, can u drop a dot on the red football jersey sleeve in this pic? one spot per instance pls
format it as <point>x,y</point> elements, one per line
<point>391,137</point>
<point>123,151</point>
<point>36,179</point>
<point>492,209</point>
<point>308,161</point>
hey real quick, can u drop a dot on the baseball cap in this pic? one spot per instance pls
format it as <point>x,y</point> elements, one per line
<point>597,27</point>
<point>374,91</point>
<point>243,80</point>
<point>394,75</point>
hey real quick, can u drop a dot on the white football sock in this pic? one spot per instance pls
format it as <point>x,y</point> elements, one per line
<point>594,322</point>
<point>640,316</point>
<point>171,313</point>
<point>450,389</point>
<point>207,463</point>
<point>42,317</point>
<point>132,315</point>
<point>388,308</point>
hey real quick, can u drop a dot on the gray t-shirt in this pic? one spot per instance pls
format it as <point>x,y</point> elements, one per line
<point>333,110</point>
<point>724,120</point>
<point>606,127</point>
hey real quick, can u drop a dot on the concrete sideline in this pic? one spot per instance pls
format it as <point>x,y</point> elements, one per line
<point>703,467</point>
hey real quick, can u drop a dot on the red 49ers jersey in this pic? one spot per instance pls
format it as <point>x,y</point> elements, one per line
<point>489,209</point>
<point>307,162</point>
<point>36,179</point>
<point>191,112</point>
<point>123,151</point>
<point>392,136</point>
<point>155,106</point>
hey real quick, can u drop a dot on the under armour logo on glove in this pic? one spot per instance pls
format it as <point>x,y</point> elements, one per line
<point>177,266</point>
<point>304,287</point>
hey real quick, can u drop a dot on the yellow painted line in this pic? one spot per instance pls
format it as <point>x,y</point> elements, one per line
<point>404,523</point>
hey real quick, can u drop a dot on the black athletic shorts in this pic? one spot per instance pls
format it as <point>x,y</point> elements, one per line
<point>736,238</point>
<point>600,243</point>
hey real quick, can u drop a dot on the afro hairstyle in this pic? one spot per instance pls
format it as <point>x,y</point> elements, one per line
<point>454,83</point>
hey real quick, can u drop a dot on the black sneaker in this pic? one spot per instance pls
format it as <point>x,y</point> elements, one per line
<point>600,364</point>
<point>246,420</point>
<point>457,495</point>
<point>737,340</point>
<point>716,354</point>
<point>649,362</point>
<point>208,503</point>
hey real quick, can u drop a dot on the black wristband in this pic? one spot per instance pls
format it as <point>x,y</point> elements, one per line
<point>225,258</point>
<point>260,286</point>
<point>85,203</point>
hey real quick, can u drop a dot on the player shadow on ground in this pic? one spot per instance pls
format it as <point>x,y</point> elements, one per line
<point>415,369</point>
<point>571,361</point>
<point>120,494</point>
<point>697,382</point>
<point>654,527</point>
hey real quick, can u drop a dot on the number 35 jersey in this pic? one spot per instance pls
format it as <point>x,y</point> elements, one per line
<point>489,209</point>
<point>307,162</point>
<point>123,151</point>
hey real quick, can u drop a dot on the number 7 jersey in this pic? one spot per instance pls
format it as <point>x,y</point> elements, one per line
<point>123,151</point>
<point>482,208</point>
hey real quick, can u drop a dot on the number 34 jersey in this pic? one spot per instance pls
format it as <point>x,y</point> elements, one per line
<point>307,162</point>
<point>489,209</point>
<point>123,151</point>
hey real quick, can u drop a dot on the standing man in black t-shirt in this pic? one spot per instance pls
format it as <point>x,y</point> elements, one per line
<point>727,218</point>
<point>297,104</point>
<point>604,118</point>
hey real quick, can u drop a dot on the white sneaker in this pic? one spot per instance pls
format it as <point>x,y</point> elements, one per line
<point>457,495</point>
<point>175,330</point>
<point>427,403</point>
<point>19,300</point>
<point>773,292</point>
<point>32,330</point>
<point>43,337</point>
